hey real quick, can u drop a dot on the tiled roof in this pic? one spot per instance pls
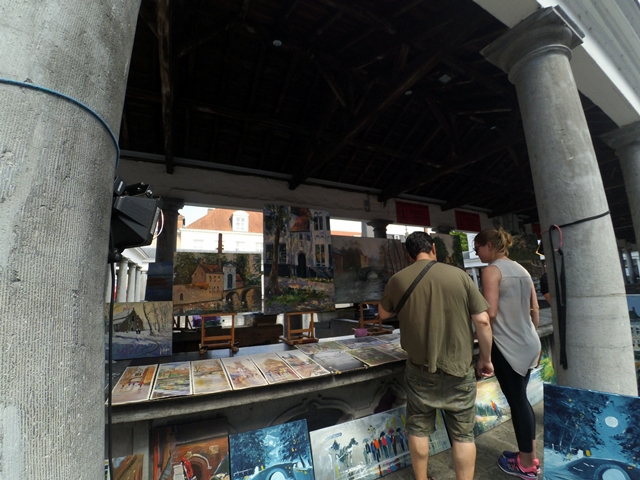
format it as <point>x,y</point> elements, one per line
<point>222,219</point>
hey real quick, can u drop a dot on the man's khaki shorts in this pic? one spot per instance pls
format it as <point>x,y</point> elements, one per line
<point>455,396</point>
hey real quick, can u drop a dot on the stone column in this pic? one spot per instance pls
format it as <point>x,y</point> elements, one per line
<point>379,227</point>
<point>569,188</point>
<point>139,295</point>
<point>143,286</point>
<point>166,242</point>
<point>57,162</point>
<point>131,283</point>
<point>121,280</point>
<point>626,143</point>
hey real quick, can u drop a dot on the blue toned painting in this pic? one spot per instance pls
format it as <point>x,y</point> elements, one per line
<point>280,452</point>
<point>590,435</point>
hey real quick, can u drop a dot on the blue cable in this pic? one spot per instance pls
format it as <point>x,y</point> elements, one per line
<point>72,100</point>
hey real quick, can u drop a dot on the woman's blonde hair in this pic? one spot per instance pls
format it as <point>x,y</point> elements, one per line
<point>500,240</point>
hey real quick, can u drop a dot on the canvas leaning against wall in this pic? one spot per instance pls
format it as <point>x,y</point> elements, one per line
<point>298,265</point>
<point>216,283</point>
<point>363,266</point>
<point>590,435</point>
<point>140,329</point>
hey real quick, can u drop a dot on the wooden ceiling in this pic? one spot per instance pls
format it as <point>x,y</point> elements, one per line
<point>386,96</point>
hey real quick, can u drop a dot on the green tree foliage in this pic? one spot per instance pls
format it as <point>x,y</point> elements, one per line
<point>457,251</point>
<point>464,241</point>
<point>441,250</point>
<point>250,452</point>
<point>295,439</point>
<point>183,267</point>
<point>276,223</point>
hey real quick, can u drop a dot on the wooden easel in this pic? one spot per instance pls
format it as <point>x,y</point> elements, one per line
<point>373,325</point>
<point>300,335</point>
<point>219,341</point>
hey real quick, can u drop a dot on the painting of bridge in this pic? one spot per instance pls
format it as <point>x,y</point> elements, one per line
<point>216,283</point>
<point>363,266</point>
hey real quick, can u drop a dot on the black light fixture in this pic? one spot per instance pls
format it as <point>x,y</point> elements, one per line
<point>134,217</point>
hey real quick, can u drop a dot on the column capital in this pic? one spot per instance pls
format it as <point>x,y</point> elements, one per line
<point>545,30</point>
<point>626,136</point>
<point>172,204</point>
<point>379,226</point>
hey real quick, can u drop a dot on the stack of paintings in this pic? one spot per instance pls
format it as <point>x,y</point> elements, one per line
<point>209,377</point>
<point>134,385</point>
<point>590,435</point>
<point>172,380</point>
<point>192,451</point>
<point>298,264</point>
<point>278,452</point>
<point>363,266</point>
<point>216,283</point>
<point>243,373</point>
<point>140,329</point>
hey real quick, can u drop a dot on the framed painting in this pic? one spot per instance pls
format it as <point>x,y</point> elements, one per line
<point>298,260</point>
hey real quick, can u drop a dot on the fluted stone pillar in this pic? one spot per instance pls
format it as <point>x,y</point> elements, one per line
<point>121,279</point>
<point>108,291</point>
<point>568,186</point>
<point>379,227</point>
<point>57,165</point>
<point>131,283</point>
<point>166,242</point>
<point>143,286</point>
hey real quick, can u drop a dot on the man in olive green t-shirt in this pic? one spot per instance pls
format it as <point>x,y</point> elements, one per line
<point>436,332</point>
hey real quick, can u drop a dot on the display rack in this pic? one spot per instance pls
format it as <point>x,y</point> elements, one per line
<point>373,325</point>
<point>219,341</point>
<point>299,335</point>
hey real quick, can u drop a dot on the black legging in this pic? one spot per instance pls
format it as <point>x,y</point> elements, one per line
<point>514,387</point>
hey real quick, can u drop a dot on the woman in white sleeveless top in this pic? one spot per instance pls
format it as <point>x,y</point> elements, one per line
<point>514,314</point>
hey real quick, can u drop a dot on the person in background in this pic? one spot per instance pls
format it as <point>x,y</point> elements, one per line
<point>514,313</point>
<point>436,332</point>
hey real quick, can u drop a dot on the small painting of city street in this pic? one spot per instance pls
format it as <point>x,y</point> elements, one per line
<point>274,369</point>
<point>280,452</point>
<point>243,373</point>
<point>368,447</point>
<point>140,329</point>
<point>337,361</point>
<point>209,377</point>
<point>134,385</point>
<point>127,468</point>
<point>492,407</point>
<point>216,283</point>
<point>192,451</point>
<point>302,365</point>
<point>590,435</point>
<point>372,356</point>
<point>363,266</point>
<point>448,249</point>
<point>172,380</point>
<point>298,268</point>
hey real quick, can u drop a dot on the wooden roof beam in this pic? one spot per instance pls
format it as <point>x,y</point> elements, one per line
<point>363,14</point>
<point>163,20</point>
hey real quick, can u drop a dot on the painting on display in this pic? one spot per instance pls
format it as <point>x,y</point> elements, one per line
<point>172,380</point>
<point>363,266</point>
<point>243,373</point>
<point>448,249</point>
<point>298,265</point>
<point>311,348</point>
<point>337,361</point>
<point>302,364</point>
<point>543,373</point>
<point>127,468</point>
<point>216,283</point>
<point>372,356</point>
<point>197,450</point>
<point>140,329</point>
<point>274,369</point>
<point>394,349</point>
<point>209,377</point>
<point>360,342</point>
<point>492,407</point>
<point>278,452</point>
<point>134,385</point>
<point>590,435</point>
<point>159,282</point>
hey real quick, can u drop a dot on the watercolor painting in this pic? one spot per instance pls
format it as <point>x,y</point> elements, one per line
<point>172,380</point>
<point>127,468</point>
<point>298,261</point>
<point>209,377</point>
<point>372,356</point>
<point>274,369</point>
<point>140,329</point>
<point>368,447</point>
<point>159,282</point>
<point>311,348</point>
<point>359,342</point>
<point>394,349</point>
<point>448,249</point>
<point>363,266</point>
<point>216,283</point>
<point>243,373</point>
<point>337,361</point>
<point>134,385</point>
<point>492,407</point>
<point>302,364</point>
<point>281,452</point>
<point>192,451</point>
<point>590,435</point>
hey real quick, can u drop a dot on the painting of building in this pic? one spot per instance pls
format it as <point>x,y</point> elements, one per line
<point>590,434</point>
<point>448,249</point>
<point>140,329</point>
<point>363,266</point>
<point>216,283</point>
<point>298,264</point>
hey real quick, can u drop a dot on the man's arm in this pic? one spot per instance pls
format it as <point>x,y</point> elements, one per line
<point>383,314</point>
<point>484,367</point>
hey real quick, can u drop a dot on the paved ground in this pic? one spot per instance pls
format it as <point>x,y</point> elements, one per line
<point>489,447</point>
